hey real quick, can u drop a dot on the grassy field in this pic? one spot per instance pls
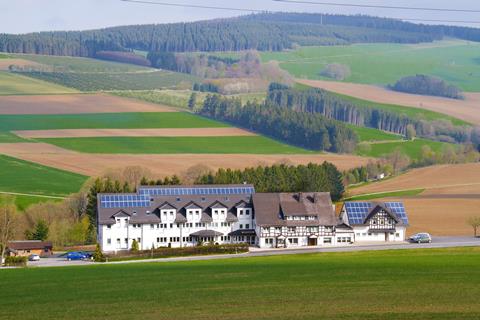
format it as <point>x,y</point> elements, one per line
<point>398,284</point>
<point>23,202</point>
<point>179,98</point>
<point>414,113</point>
<point>454,61</point>
<point>8,137</point>
<point>78,64</point>
<point>396,194</point>
<point>14,84</point>
<point>26,177</point>
<point>370,134</point>
<point>133,120</point>
<point>95,81</point>
<point>413,149</point>
<point>176,145</point>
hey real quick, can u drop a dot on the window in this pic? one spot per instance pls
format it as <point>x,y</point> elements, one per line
<point>118,241</point>
<point>358,234</point>
<point>139,240</point>
<point>247,212</point>
<point>158,240</point>
<point>247,226</point>
<point>240,212</point>
<point>293,240</point>
<point>109,227</point>
<point>397,235</point>
<point>126,240</point>
<point>369,233</point>
<point>327,240</point>
<point>152,226</point>
<point>109,241</point>
<point>292,229</point>
<point>269,241</point>
<point>241,226</point>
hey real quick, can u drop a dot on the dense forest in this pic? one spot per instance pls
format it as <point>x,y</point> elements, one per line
<point>427,85</point>
<point>269,31</point>
<point>318,101</point>
<point>314,132</point>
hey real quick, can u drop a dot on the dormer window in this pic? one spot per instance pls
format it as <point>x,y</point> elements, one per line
<point>135,213</point>
<point>148,212</point>
<point>203,199</point>
<point>178,199</point>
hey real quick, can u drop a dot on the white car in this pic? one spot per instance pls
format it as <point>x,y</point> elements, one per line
<point>34,257</point>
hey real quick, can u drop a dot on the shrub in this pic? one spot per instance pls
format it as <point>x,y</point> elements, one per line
<point>16,261</point>
<point>427,85</point>
<point>98,255</point>
<point>134,246</point>
<point>336,71</point>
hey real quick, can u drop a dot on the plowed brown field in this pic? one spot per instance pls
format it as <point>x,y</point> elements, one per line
<point>6,63</point>
<point>452,195</point>
<point>75,103</point>
<point>467,110</point>
<point>168,164</point>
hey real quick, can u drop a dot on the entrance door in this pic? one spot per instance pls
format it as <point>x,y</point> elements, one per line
<point>312,241</point>
<point>386,236</point>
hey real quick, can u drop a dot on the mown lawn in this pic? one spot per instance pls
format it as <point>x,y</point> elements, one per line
<point>175,145</point>
<point>134,120</point>
<point>413,149</point>
<point>398,284</point>
<point>14,84</point>
<point>26,177</point>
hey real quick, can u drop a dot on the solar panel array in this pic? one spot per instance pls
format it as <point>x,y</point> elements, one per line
<point>124,201</point>
<point>195,191</point>
<point>358,211</point>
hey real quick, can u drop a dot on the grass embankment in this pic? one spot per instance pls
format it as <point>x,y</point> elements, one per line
<point>14,84</point>
<point>30,178</point>
<point>176,145</point>
<point>392,194</point>
<point>454,61</point>
<point>407,284</point>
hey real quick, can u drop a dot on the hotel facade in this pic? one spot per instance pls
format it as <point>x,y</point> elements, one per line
<point>179,216</point>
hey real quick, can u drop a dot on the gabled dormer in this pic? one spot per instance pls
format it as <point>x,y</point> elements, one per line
<point>192,211</point>
<point>167,206</point>
<point>380,217</point>
<point>218,211</point>
<point>121,217</point>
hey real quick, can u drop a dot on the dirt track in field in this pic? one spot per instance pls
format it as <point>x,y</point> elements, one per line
<point>161,165</point>
<point>88,133</point>
<point>467,110</point>
<point>6,63</point>
<point>75,103</point>
<point>452,195</point>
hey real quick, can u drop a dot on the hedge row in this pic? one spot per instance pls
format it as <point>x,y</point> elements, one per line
<point>15,261</point>
<point>179,252</point>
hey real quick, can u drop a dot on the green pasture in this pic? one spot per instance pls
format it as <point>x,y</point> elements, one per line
<point>15,84</point>
<point>24,201</point>
<point>417,284</point>
<point>369,134</point>
<point>381,195</point>
<point>176,145</point>
<point>457,62</point>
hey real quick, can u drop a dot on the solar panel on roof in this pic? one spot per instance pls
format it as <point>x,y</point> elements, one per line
<point>195,191</point>
<point>358,211</point>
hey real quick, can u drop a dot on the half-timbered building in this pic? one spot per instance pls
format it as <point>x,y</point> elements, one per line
<point>375,221</point>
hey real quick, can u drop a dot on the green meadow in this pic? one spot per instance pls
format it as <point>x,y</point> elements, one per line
<point>132,120</point>
<point>369,134</point>
<point>176,145</point>
<point>452,60</point>
<point>375,285</point>
<point>23,202</point>
<point>26,177</point>
<point>412,149</point>
<point>14,84</point>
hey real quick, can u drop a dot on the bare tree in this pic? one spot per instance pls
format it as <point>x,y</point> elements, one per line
<point>8,218</point>
<point>134,174</point>
<point>77,205</point>
<point>474,222</point>
<point>195,172</point>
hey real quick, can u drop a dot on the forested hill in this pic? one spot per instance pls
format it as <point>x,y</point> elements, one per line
<point>270,31</point>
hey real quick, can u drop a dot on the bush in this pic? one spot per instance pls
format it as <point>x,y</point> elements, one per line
<point>427,85</point>
<point>12,261</point>
<point>98,255</point>
<point>336,71</point>
<point>180,252</point>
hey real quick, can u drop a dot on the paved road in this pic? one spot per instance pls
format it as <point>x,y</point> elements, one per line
<point>438,242</point>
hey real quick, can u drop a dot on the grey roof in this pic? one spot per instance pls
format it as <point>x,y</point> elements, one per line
<point>271,209</point>
<point>29,245</point>
<point>243,232</point>
<point>151,214</point>
<point>206,233</point>
<point>360,212</point>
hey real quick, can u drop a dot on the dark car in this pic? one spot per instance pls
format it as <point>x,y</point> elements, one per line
<point>76,256</point>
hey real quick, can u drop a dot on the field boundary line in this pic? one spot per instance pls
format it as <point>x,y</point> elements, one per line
<point>32,195</point>
<point>420,187</point>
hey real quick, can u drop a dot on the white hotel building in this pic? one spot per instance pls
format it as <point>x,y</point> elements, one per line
<point>178,216</point>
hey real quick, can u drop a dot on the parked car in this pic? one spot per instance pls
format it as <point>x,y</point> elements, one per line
<point>76,256</point>
<point>88,255</point>
<point>421,238</point>
<point>34,257</point>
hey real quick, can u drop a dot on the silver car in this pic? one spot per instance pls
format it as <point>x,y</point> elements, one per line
<point>421,238</point>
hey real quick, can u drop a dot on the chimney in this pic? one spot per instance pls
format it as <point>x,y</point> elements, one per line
<point>301,197</point>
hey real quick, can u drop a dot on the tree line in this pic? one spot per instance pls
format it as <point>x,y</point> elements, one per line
<point>314,132</point>
<point>331,106</point>
<point>265,32</point>
<point>427,85</point>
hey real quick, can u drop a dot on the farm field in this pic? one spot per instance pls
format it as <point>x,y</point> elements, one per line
<point>162,164</point>
<point>176,145</point>
<point>5,64</point>
<point>277,287</point>
<point>132,120</point>
<point>26,177</point>
<point>74,104</point>
<point>451,195</point>
<point>14,84</point>
<point>369,134</point>
<point>466,110</point>
<point>97,81</point>
<point>453,60</point>
<point>90,133</point>
<point>411,148</point>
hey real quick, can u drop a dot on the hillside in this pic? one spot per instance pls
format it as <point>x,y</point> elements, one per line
<point>269,32</point>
